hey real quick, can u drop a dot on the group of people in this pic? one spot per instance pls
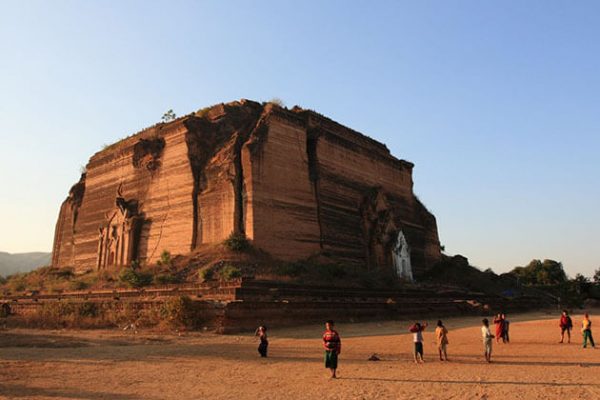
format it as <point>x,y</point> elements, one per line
<point>332,342</point>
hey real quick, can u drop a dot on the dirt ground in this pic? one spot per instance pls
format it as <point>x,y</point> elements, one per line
<point>94,365</point>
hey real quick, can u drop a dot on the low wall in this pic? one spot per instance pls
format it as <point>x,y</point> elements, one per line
<point>238,306</point>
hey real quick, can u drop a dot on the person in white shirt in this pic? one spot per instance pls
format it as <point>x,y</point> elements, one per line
<point>487,339</point>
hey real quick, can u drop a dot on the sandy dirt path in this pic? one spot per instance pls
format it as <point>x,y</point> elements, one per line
<point>120,365</point>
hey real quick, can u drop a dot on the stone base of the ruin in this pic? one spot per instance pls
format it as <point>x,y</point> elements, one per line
<point>239,306</point>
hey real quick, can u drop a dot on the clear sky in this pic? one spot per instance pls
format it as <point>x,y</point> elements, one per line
<point>496,102</point>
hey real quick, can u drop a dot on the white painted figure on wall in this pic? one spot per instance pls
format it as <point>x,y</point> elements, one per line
<point>401,258</point>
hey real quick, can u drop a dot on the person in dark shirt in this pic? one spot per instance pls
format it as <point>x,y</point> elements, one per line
<point>261,332</point>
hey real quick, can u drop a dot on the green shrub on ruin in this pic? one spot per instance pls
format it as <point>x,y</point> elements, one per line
<point>237,242</point>
<point>203,112</point>
<point>229,272</point>
<point>62,273</point>
<point>207,274</point>
<point>166,279</point>
<point>277,101</point>
<point>165,259</point>
<point>135,265</point>
<point>135,279</point>
<point>78,285</point>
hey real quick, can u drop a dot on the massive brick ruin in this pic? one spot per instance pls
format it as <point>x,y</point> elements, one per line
<point>296,183</point>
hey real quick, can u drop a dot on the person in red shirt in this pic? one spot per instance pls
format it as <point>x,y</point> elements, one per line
<point>499,322</point>
<point>333,346</point>
<point>566,324</point>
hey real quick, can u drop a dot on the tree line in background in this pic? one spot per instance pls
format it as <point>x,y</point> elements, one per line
<point>550,276</point>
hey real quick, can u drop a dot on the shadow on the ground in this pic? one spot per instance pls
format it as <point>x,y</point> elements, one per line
<point>22,391</point>
<point>58,341</point>
<point>464,382</point>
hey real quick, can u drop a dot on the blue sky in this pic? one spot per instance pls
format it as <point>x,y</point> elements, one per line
<point>497,103</point>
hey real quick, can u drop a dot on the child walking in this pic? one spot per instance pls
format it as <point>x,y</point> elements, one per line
<point>333,346</point>
<point>417,330</point>
<point>487,340</point>
<point>586,330</point>
<point>442,340</point>
<point>261,332</point>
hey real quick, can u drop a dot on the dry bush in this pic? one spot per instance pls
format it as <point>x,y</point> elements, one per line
<point>179,312</point>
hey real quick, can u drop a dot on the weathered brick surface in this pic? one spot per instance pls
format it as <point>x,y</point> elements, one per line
<point>296,183</point>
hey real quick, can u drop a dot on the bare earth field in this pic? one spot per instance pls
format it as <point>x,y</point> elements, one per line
<point>38,364</point>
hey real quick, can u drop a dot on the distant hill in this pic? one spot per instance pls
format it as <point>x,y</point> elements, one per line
<point>22,262</point>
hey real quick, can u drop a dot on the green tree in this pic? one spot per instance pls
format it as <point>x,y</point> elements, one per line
<point>582,284</point>
<point>547,272</point>
<point>168,116</point>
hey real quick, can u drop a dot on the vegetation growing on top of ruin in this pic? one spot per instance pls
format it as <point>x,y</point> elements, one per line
<point>237,242</point>
<point>166,279</point>
<point>203,112</point>
<point>135,278</point>
<point>46,279</point>
<point>165,259</point>
<point>206,274</point>
<point>58,280</point>
<point>168,116</point>
<point>229,272</point>
<point>277,101</point>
